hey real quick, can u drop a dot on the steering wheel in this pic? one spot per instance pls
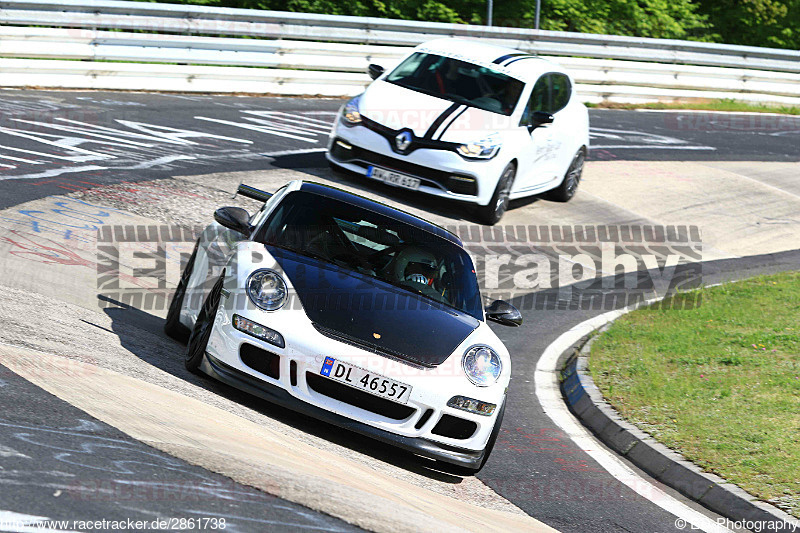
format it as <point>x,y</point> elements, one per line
<point>426,290</point>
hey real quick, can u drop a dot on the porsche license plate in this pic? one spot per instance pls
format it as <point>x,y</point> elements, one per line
<point>393,178</point>
<point>370,382</point>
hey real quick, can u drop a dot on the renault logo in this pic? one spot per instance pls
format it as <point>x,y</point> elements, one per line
<point>403,140</point>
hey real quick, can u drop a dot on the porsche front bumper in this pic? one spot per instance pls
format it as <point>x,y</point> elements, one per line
<point>275,394</point>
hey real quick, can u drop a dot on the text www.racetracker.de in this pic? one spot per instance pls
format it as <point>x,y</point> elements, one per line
<point>164,524</point>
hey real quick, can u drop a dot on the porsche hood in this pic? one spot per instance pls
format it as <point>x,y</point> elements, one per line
<point>372,314</point>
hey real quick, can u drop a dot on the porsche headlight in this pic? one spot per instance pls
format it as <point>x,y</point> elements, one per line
<point>267,289</point>
<point>482,365</point>
<point>350,113</point>
<point>483,149</point>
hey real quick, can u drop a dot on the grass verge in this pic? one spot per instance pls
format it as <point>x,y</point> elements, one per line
<point>719,383</point>
<point>710,105</point>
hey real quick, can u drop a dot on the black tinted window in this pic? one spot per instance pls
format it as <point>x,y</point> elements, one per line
<point>354,238</point>
<point>458,81</point>
<point>560,90</point>
<point>539,100</point>
<point>550,94</point>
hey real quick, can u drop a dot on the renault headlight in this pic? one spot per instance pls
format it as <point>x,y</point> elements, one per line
<point>483,149</point>
<point>350,113</point>
<point>267,289</point>
<point>482,365</point>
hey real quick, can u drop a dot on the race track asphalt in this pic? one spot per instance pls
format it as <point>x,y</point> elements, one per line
<point>58,142</point>
<point>61,464</point>
<point>74,139</point>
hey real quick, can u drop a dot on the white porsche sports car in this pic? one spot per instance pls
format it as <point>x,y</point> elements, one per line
<point>352,312</point>
<point>467,121</point>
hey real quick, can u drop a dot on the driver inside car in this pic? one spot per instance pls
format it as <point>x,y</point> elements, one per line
<point>421,273</point>
<point>414,265</point>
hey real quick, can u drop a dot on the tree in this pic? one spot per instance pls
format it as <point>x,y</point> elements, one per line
<point>751,22</point>
<point>669,19</point>
<point>754,22</point>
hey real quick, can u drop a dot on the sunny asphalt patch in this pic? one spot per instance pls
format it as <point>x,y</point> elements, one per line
<point>50,243</point>
<point>741,209</point>
<point>210,192</point>
<point>254,455</point>
<point>76,469</point>
<point>737,214</point>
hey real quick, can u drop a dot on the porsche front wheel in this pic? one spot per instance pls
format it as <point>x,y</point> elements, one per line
<point>173,326</point>
<point>198,341</point>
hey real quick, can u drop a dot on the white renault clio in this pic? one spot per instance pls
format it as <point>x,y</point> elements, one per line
<point>467,121</point>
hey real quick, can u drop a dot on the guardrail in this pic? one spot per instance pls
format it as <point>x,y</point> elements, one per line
<point>198,48</point>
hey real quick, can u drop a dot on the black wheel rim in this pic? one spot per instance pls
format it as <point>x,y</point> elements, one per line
<point>503,194</point>
<point>177,301</point>
<point>574,174</point>
<point>205,320</point>
<point>180,290</point>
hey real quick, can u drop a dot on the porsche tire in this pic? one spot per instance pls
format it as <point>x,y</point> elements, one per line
<point>198,341</point>
<point>172,325</point>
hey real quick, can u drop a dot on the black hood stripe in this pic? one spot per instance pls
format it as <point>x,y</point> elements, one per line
<point>450,123</point>
<point>506,57</point>
<point>519,59</point>
<point>440,119</point>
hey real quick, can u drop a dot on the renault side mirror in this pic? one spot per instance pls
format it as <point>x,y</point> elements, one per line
<point>375,71</point>
<point>540,118</point>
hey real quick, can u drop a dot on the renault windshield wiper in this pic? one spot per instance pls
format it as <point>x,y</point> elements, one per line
<point>457,98</point>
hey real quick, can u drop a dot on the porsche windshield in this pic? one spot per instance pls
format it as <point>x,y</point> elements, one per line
<point>375,245</point>
<point>458,81</point>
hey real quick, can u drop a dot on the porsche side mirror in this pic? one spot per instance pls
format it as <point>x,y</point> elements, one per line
<point>234,218</point>
<point>540,118</point>
<point>375,71</point>
<point>504,313</point>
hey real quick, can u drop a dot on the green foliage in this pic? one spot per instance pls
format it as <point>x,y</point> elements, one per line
<point>358,8</point>
<point>774,23</point>
<point>437,12</point>
<point>670,19</point>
